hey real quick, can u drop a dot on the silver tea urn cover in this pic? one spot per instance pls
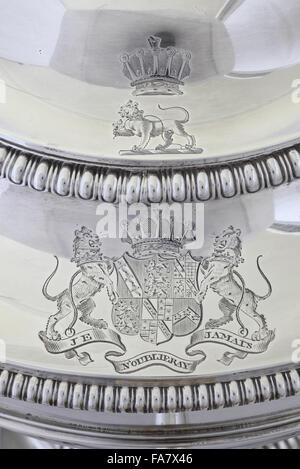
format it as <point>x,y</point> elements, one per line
<point>149,224</point>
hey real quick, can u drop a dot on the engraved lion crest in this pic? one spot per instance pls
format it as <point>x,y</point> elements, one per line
<point>134,123</point>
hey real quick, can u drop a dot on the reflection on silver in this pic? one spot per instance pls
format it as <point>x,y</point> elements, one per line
<point>292,228</point>
<point>145,342</point>
<point>72,97</point>
<point>103,396</point>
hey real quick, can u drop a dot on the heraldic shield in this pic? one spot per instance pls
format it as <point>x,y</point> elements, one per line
<point>157,297</point>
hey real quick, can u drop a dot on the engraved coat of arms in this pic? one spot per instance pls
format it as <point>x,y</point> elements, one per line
<point>157,297</point>
<point>157,292</point>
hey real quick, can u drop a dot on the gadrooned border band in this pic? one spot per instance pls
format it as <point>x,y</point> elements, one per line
<point>112,185</point>
<point>68,394</point>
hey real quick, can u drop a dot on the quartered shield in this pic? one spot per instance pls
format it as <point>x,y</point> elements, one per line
<point>157,297</point>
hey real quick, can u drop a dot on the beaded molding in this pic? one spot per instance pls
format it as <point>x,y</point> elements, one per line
<point>92,182</point>
<point>148,399</point>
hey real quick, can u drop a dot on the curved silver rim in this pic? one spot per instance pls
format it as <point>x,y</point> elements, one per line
<point>44,172</point>
<point>145,397</point>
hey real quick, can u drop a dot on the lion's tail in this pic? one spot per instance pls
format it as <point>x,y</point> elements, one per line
<point>187,114</point>
<point>46,284</point>
<point>262,298</point>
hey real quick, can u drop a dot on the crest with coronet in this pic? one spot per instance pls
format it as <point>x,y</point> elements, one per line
<point>157,70</point>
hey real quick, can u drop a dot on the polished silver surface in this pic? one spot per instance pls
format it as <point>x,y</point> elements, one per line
<point>155,303</point>
<point>147,184</point>
<point>98,369</point>
<point>50,231</point>
<point>64,81</point>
